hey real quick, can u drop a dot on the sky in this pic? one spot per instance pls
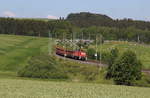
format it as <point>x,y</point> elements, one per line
<point>53,9</point>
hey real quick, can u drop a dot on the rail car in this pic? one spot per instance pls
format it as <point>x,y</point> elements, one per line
<point>78,54</point>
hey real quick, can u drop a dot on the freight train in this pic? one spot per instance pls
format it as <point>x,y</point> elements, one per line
<point>77,54</point>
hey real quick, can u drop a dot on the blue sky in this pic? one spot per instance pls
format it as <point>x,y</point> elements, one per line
<point>135,9</point>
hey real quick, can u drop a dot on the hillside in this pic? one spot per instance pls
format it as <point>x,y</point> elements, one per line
<point>86,19</point>
<point>16,50</point>
<point>21,88</point>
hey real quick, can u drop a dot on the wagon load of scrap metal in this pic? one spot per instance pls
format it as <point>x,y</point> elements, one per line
<point>70,51</point>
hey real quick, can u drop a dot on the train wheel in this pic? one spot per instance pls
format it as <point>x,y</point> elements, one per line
<point>76,58</point>
<point>83,59</point>
<point>73,57</point>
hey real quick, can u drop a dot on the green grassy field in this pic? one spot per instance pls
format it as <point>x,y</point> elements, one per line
<point>20,88</point>
<point>16,50</point>
<point>142,51</point>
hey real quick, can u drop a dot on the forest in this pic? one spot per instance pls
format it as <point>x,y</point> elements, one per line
<point>79,24</point>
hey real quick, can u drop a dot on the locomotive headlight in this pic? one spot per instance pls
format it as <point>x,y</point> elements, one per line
<point>95,54</point>
<point>65,55</point>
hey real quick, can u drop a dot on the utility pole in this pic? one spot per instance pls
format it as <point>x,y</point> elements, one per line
<point>55,35</point>
<point>73,40</point>
<point>50,44</point>
<point>82,36</point>
<point>101,39</point>
<point>138,39</point>
<point>64,46</point>
<point>89,36</point>
<point>96,46</point>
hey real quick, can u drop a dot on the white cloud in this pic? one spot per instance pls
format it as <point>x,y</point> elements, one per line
<point>52,17</point>
<point>147,18</point>
<point>9,14</point>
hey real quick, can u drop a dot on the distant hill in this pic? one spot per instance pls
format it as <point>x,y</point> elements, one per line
<point>86,19</point>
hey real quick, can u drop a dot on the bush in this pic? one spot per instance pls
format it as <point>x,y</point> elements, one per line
<point>91,53</point>
<point>43,66</point>
<point>113,56</point>
<point>111,59</point>
<point>127,69</point>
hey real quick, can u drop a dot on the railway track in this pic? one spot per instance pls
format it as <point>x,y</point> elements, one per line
<point>89,62</point>
<point>146,71</point>
<point>93,63</point>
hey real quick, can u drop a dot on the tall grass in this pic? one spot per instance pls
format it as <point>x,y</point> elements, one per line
<point>16,88</point>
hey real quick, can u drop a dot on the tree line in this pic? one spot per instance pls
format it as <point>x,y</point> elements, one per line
<point>32,27</point>
<point>82,25</point>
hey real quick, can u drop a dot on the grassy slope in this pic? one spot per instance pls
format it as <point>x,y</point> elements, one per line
<point>16,50</point>
<point>142,51</point>
<point>14,53</point>
<point>19,88</point>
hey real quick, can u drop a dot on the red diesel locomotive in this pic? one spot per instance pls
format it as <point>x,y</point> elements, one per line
<point>78,54</point>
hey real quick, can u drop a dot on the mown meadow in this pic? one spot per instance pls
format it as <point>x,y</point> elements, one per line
<point>16,50</point>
